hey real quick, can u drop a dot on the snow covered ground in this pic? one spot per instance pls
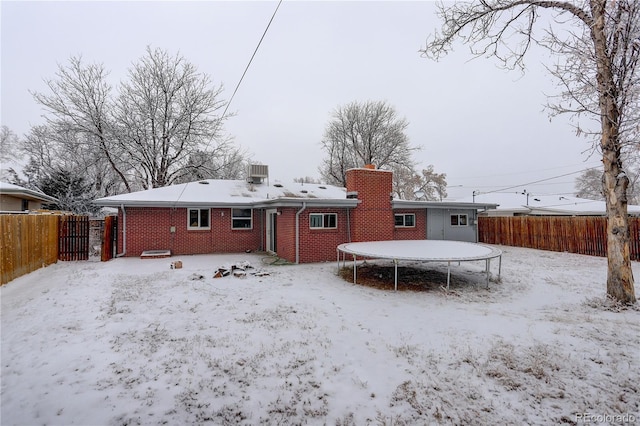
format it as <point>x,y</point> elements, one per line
<point>132,341</point>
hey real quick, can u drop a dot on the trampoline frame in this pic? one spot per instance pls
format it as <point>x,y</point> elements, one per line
<point>352,248</point>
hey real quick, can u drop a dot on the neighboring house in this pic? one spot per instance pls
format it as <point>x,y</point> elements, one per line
<point>524,204</point>
<point>301,222</point>
<point>14,198</point>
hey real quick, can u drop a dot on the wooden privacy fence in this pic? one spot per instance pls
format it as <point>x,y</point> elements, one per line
<point>581,234</point>
<point>29,242</point>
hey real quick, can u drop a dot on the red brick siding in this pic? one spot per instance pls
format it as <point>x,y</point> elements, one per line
<point>286,239</point>
<point>418,232</point>
<point>373,219</point>
<point>319,245</point>
<point>150,229</point>
<point>316,245</point>
<point>146,229</point>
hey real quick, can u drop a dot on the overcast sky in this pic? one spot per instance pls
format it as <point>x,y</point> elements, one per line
<point>484,127</point>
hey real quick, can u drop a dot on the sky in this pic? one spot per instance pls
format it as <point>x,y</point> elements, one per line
<point>483,126</point>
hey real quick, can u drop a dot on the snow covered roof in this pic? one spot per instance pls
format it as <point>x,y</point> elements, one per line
<point>229,193</point>
<point>240,193</point>
<point>19,191</point>
<point>549,205</point>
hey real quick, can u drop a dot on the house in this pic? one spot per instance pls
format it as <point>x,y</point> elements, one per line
<point>16,199</point>
<point>526,204</point>
<point>300,222</point>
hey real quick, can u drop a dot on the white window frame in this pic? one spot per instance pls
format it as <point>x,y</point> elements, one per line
<point>325,220</point>
<point>198,227</point>
<point>404,220</point>
<point>458,221</point>
<point>242,218</point>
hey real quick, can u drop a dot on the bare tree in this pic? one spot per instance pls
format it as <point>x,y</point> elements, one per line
<point>432,185</point>
<point>426,185</point>
<point>64,165</point>
<point>79,102</point>
<point>226,162</point>
<point>166,113</point>
<point>306,179</point>
<point>364,133</point>
<point>405,181</point>
<point>589,185</point>
<point>161,127</point>
<point>43,153</point>
<point>597,43</point>
<point>9,153</point>
<point>8,145</point>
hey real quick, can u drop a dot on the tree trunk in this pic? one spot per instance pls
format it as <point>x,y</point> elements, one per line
<point>614,180</point>
<point>619,274</point>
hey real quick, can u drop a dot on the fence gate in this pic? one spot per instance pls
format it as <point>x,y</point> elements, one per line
<point>73,238</point>
<point>109,238</point>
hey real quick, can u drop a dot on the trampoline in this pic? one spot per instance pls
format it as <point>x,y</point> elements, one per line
<point>422,251</point>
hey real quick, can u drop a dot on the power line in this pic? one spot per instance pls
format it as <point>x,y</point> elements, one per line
<point>522,172</point>
<point>541,180</point>
<point>501,186</point>
<point>251,60</point>
<point>534,183</point>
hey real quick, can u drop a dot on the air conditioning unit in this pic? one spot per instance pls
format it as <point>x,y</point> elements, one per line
<point>257,172</point>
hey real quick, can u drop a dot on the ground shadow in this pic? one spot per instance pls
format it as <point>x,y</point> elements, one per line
<point>410,278</point>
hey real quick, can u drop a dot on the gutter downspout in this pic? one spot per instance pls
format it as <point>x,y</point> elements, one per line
<point>304,206</point>
<point>124,232</point>
<point>263,231</point>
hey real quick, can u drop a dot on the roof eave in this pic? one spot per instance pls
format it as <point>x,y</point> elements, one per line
<point>29,194</point>
<point>561,212</point>
<point>316,202</point>
<point>408,204</point>
<point>271,203</point>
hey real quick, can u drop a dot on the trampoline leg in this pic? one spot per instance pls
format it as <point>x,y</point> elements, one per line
<point>354,268</point>
<point>488,267</point>
<point>499,266</point>
<point>448,274</point>
<point>395,263</point>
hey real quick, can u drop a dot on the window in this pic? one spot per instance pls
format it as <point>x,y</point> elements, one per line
<point>323,220</point>
<point>405,220</point>
<point>198,219</point>
<point>241,218</point>
<point>459,220</point>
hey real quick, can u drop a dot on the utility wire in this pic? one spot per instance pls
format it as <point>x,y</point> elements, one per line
<point>530,171</point>
<point>523,172</point>
<point>251,60</point>
<point>241,78</point>
<point>541,180</point>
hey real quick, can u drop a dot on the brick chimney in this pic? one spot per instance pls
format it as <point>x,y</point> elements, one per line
<point>373,219</point>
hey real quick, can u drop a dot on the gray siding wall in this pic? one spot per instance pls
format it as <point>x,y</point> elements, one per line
<point>439,225</point>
